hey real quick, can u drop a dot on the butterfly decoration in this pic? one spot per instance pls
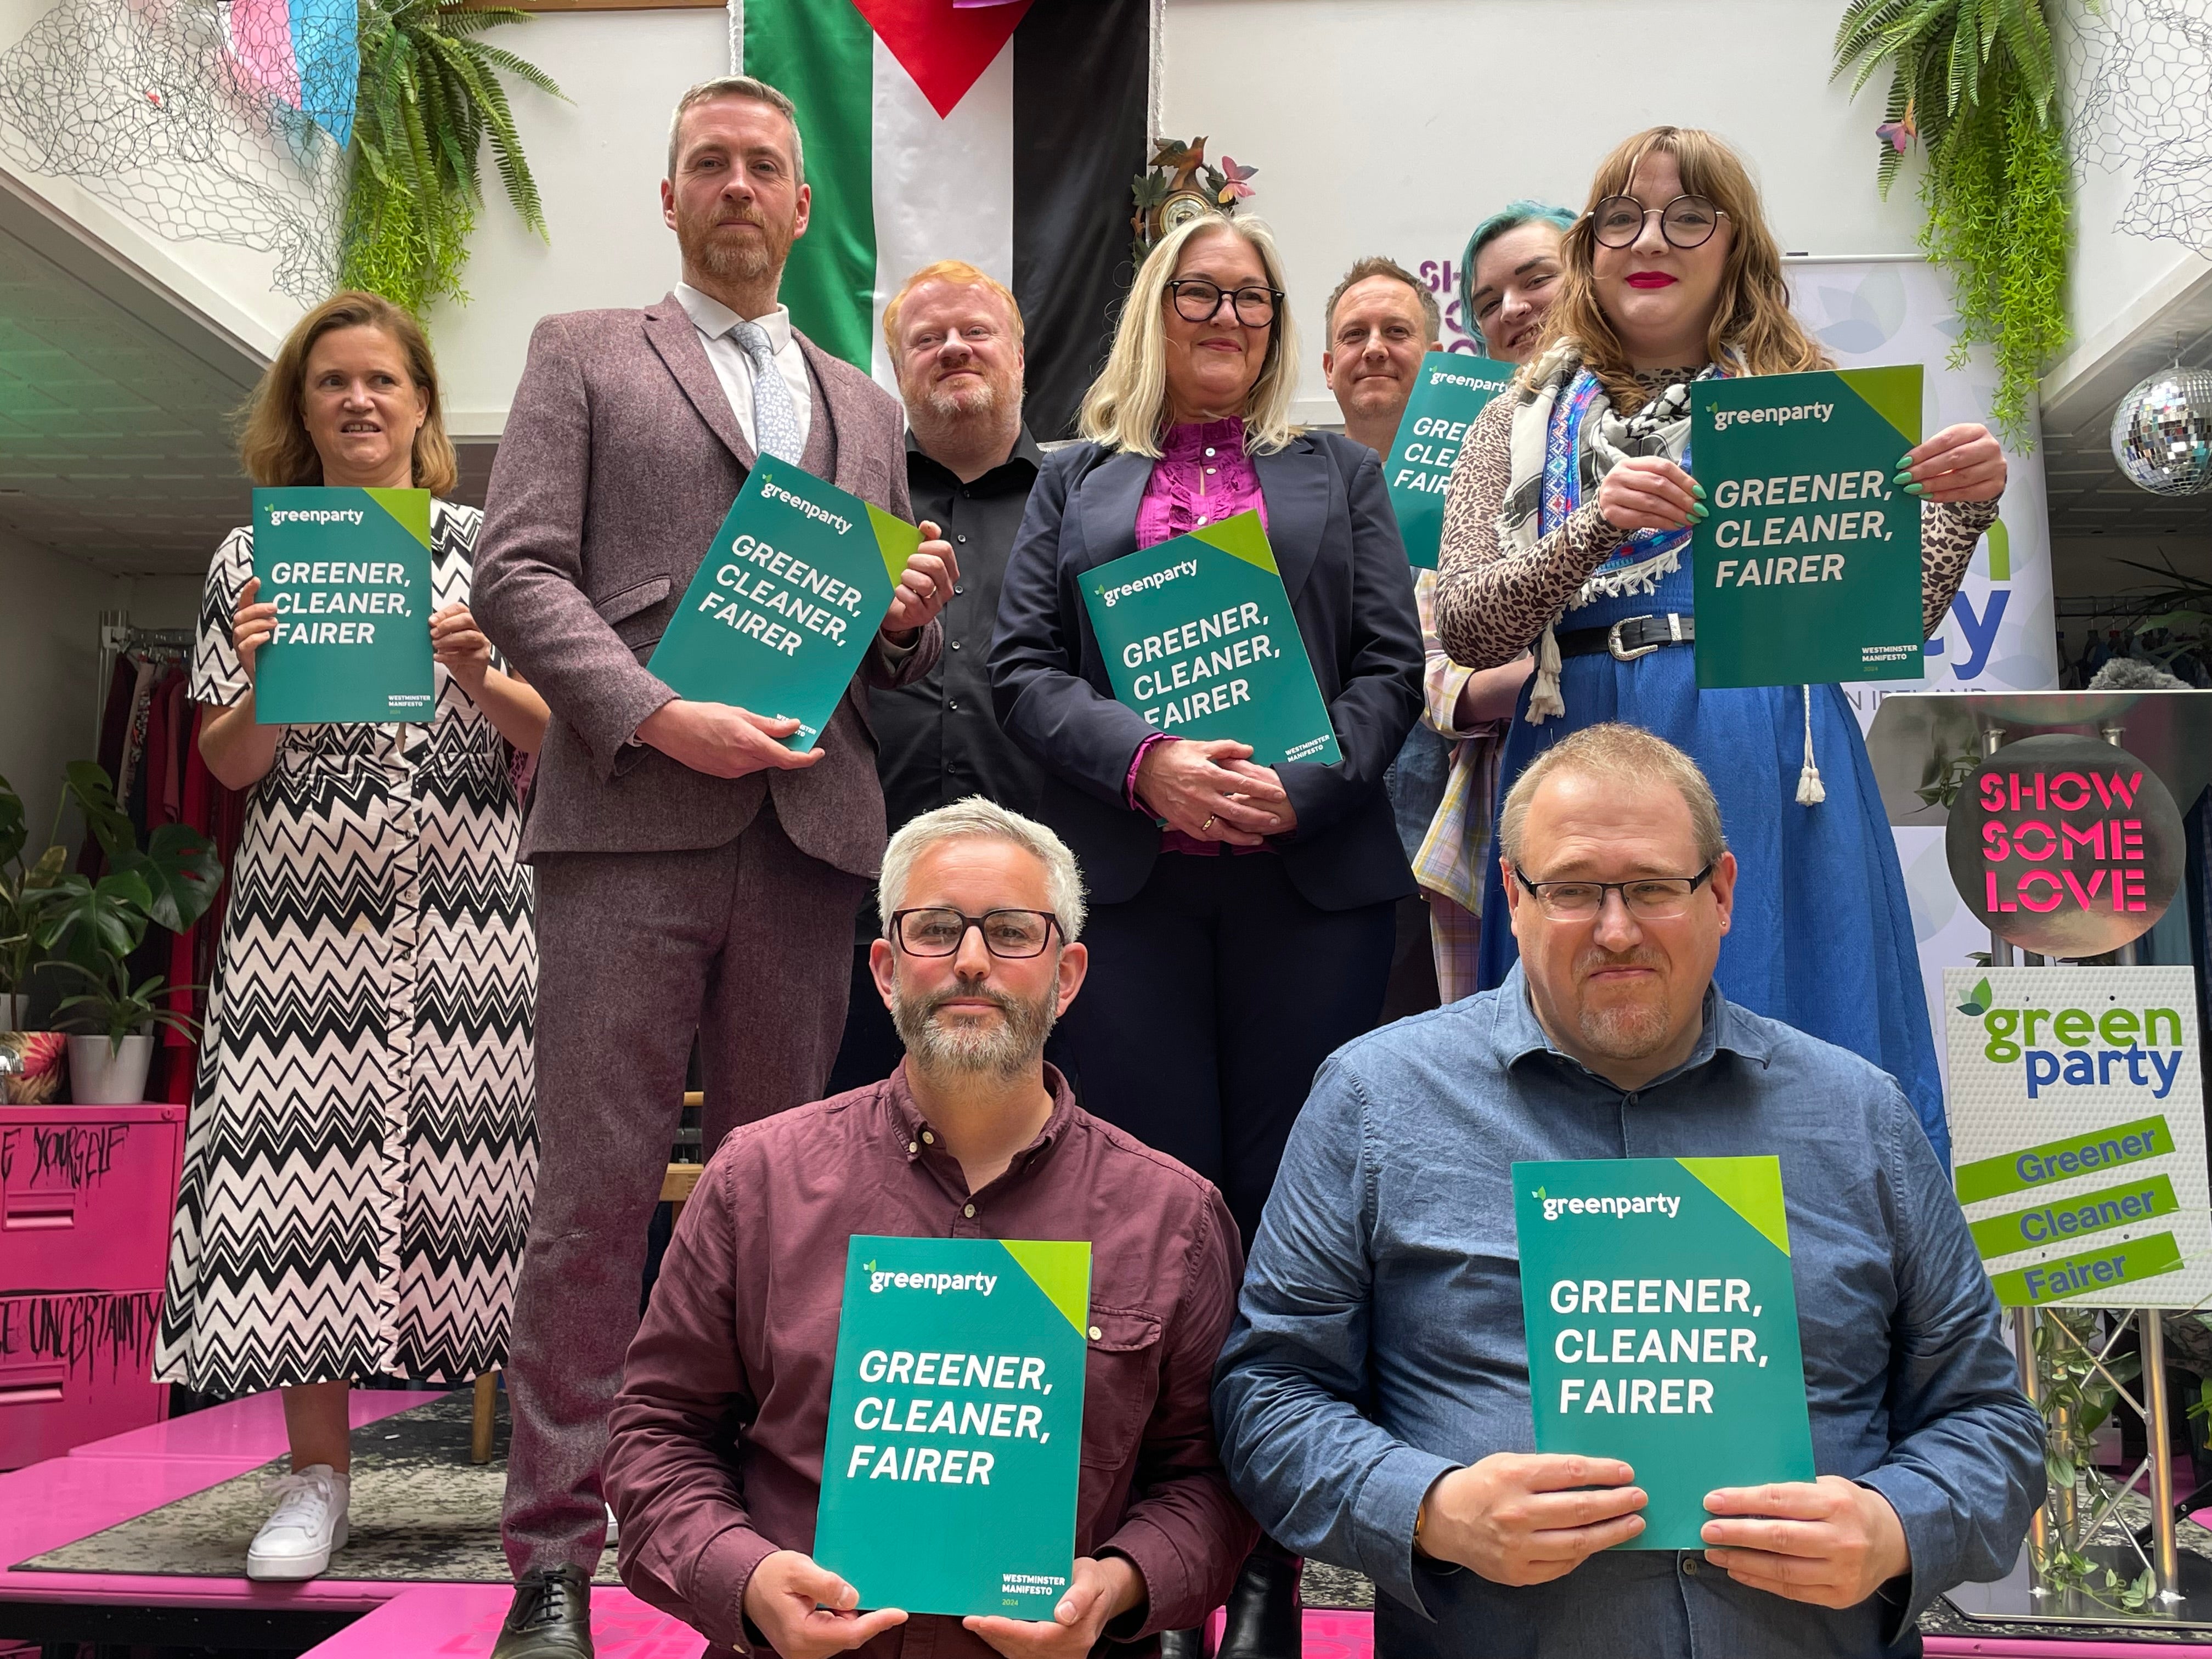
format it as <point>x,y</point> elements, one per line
<point>1179,185</point>
<point>1900,134</point>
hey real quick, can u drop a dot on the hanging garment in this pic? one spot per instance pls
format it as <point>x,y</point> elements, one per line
<point>360,1163</point>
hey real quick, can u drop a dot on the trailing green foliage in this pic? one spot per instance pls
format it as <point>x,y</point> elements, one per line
<point>1977,81</point>
<point>2078,1385</point>
<point>430,97</point>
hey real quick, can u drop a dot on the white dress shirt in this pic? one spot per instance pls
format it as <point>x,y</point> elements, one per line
<point>734,369</point>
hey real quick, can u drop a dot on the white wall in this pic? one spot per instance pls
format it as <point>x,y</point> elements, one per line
<point>598,162</point>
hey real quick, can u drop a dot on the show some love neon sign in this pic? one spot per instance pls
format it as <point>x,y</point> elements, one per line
<point>2065,846</point>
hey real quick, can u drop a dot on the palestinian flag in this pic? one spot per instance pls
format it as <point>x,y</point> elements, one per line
<point>1003,132</point>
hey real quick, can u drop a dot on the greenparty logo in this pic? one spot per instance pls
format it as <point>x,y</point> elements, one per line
<point>2073,1047</point>
<point>1666,1203</point>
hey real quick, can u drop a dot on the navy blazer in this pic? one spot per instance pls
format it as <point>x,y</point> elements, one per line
<point>1336,542</point>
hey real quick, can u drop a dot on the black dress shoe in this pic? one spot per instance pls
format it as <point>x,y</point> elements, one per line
<point>551,1618</point>
<point>1184,1644</point>
<point>1265,1619</point>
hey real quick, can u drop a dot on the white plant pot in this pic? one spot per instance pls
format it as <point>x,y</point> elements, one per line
<point>101,1075</point>
<point>15,1009</point>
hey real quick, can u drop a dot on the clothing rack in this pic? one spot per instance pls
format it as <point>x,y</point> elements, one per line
<point>117,638</point>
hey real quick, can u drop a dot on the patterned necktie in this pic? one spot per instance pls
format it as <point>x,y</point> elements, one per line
<point>776,423</point>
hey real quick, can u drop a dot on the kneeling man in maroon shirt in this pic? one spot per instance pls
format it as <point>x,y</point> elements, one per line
<point>714,1460</point>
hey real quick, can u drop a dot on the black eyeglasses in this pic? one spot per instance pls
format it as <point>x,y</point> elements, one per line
<point>1686,221</point>
<point>940,932</point>
<point>1196,301</point>
<point>1649,898</point>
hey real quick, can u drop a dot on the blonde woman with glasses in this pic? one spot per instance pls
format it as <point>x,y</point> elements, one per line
<point>1568,526</point>
<point>1241,920</point>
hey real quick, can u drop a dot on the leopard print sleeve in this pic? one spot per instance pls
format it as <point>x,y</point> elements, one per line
<point>1491,603</point>
<point>1949,532</point>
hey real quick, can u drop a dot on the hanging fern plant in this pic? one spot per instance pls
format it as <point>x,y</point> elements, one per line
<point>1976,82</point>
<point>430,96</point>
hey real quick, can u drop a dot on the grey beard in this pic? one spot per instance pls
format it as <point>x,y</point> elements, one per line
<point>1011,1049</point>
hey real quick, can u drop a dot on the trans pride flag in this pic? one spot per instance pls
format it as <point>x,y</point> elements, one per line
<point>306,52</point>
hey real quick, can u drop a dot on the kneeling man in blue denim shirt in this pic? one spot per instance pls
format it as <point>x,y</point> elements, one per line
<point>1373,1398</point>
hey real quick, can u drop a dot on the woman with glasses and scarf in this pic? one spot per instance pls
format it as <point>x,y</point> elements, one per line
<point>1570,512</point>
<point>1242,918</point>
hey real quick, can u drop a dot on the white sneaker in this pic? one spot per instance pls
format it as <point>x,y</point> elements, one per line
<point>308,1523</point>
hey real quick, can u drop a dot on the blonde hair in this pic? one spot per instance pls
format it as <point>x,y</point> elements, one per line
<point>273,445</point>
<point>977,819</point>
<point>1127,407</point>
<point>1753,331</point>
<point>959,274</point>
<point>1627,756</point>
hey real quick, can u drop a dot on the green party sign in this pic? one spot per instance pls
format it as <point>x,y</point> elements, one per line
<point>1200,639</point>
<point>956,1425</point>
<point>349,571</point>
<point>1809,569</point>
<point>790,594</point>
<point>1663,1327</point>
<point>1449,393</point>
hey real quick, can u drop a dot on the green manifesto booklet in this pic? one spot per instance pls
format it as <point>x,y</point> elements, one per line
<point>956,1425</point>
<point>790,594</point>
<point>1663,1326</point>
<point>1200,639</point>
<point>1808,570</point>
<point>1449,393</point>
<point>349,571</point>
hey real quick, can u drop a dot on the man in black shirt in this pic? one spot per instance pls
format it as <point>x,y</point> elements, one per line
<point>955,337</point>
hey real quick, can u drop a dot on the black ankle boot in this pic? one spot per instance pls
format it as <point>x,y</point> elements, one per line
<point>1184,1644</point>
<point>1265,1619</point>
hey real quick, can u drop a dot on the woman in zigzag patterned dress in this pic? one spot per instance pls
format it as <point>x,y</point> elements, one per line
<point>359,1166</point>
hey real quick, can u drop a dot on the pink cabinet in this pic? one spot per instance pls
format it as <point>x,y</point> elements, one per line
<point>86,1195</point>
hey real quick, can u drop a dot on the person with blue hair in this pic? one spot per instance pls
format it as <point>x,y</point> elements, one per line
<point>1506,281</point>
<point>1502,307</point>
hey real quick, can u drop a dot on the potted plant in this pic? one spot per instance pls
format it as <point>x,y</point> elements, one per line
<point>91,927</point>
<point>108,1066</point>
<point>26,885</point>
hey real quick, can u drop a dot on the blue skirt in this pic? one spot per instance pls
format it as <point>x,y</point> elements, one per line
<point>1822,937</point>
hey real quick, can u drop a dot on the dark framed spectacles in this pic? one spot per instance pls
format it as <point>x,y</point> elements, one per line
<point>1686,221</point>
<point>1649,898</point>
<point>1196,301</point>
<point>940,931</point>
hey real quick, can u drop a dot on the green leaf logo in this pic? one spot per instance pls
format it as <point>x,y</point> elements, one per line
<point>1978,999</point>
<point>1538,1193</point>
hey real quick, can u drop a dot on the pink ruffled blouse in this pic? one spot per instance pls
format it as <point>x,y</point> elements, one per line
<point>1203,476</point>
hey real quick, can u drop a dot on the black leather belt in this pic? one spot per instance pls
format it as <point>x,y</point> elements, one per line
<point>1630,638</point>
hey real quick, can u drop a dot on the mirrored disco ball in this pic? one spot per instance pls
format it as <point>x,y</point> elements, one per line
<point>2162,433</point>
